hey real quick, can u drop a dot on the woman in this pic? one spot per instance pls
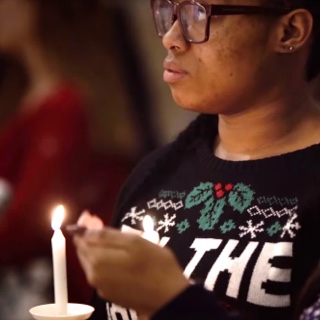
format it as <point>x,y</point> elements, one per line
<point>50,148</point>
<point>235,198</point>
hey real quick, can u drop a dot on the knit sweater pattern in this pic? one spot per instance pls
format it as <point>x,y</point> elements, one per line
<point>247,231</point>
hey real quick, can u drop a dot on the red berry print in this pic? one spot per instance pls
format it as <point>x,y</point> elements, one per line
<point>218,186</point>
<point>220,193</point>
<point>228,187</point>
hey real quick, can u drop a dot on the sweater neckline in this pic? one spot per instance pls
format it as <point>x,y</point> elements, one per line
<point>297,159</point>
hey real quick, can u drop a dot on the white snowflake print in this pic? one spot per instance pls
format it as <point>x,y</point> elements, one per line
<point>251,229</point>
<point>165,204</point>
<point>167,222</point>
<point>290,226</point>
<point>134,215</point>
<point>270,212</point>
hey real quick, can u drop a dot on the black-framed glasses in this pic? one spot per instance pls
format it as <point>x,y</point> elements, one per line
<point>194,18</point>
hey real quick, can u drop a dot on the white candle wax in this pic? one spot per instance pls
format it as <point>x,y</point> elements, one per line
<point>149,233</point>
<point>58,243</point>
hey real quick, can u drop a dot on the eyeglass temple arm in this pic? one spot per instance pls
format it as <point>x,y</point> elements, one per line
<point>216,9</point>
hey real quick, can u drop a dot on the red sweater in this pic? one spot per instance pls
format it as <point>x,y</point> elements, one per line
<point>45,156</point>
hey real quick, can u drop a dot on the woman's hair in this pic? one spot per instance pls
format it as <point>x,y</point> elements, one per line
<point>13,81</point>
<point>313,63</point>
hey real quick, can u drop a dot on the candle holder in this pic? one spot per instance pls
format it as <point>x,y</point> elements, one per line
<point>49,312</point>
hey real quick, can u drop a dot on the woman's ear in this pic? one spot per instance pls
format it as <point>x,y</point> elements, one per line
<point>294,30</point>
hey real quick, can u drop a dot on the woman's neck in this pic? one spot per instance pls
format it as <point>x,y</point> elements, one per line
<point>273,129</point>
<point>43,74</point>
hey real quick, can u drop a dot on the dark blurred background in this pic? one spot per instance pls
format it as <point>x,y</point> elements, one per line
<point>81,101</point>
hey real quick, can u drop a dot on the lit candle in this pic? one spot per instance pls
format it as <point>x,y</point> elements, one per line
<point>149,233</point>
<point>58,243</point>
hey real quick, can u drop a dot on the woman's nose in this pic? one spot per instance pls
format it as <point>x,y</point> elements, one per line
<point>174,39</point>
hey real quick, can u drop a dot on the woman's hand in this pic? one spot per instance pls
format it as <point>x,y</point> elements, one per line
<point>129,270</point>
<point>90,221</point>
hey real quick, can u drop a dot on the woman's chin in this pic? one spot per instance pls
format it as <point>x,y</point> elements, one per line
<point>190,103</point>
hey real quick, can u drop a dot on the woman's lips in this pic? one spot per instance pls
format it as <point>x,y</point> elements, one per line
<point>172,74</point>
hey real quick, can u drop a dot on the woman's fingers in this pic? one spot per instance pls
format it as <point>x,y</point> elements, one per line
<point>116,264</point>
<point>102,264</point>
<point>84,219</point>
<point>90,221</point>
<point>100,249</point>
<point>113,238</point>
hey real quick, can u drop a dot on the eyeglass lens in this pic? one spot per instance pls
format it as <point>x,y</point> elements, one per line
<point>192,18</point>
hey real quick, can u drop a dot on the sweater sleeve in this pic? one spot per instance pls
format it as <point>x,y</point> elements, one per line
<point>137,176</point>
<point>195,303</point>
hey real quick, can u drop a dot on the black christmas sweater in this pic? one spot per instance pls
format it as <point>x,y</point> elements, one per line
<point>247,231</point>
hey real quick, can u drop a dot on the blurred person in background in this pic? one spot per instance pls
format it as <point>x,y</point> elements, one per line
<point>68,135</point>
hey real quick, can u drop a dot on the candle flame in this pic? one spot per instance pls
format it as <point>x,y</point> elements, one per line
<point>57,217</point>
<point>148,224</point>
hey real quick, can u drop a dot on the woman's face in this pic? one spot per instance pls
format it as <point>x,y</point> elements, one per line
<point>17,24</point>
<point>228,73</point>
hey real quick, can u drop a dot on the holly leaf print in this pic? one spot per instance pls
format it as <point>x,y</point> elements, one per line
<point>199,194</point>
<point>210,215</point>
<point>240,197</point>
<point>208,207</point>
